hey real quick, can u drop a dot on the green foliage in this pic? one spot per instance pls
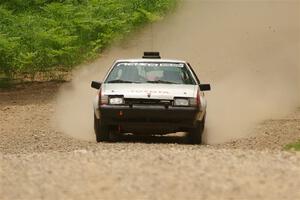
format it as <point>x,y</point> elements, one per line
<point>40,35</point>
<point>294,146</point>
<point>5,83</point>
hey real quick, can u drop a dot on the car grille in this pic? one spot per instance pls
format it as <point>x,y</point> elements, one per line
<point>147,102</point>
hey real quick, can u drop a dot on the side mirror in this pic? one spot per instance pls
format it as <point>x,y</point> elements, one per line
<point>96,85</point>
<point>205,87</point>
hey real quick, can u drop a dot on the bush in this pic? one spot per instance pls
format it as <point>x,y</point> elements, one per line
<point>43,35</point>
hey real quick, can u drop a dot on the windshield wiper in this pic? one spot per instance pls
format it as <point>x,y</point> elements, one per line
<point>121,81</point>
<point>161,81</point>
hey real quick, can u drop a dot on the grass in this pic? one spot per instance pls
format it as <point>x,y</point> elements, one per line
<point>293,146</point>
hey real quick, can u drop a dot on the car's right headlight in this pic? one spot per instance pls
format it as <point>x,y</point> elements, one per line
<point>116,100</point>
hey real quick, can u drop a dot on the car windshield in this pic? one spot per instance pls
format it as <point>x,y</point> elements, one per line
<point>150,72</point>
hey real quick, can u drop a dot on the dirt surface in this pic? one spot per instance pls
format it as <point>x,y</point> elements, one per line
<point>26,121</point>
<point>44,159</point>
<point>38,162</point>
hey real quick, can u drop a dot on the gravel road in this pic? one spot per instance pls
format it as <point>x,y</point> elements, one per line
<point>245,49</point>
<point>37,162</point>
<point>156,171</point>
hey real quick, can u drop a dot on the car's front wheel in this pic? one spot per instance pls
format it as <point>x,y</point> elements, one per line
<point>195,134</point>
<point>101,130</point>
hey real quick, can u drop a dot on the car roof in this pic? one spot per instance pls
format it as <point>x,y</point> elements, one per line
<point>150,60</point>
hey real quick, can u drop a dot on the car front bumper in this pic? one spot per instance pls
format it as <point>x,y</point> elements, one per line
<point>150,117</point>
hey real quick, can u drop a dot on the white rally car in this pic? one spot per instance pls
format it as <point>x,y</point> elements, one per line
<point>150,96</point>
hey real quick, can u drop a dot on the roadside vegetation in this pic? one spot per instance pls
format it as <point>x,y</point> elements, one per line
<point>294,146</point>
<point>55,35</point>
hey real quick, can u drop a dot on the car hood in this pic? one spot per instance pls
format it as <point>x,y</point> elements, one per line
<point>149,91</point>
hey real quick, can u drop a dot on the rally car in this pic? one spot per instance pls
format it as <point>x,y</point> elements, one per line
<point>152,96</point>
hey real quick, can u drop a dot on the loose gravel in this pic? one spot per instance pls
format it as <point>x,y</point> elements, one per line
<point>38,162</point>
<point>156,171</point>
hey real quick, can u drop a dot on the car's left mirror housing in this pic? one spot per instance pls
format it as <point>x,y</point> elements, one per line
<point>96,85</point>
<point>205,87</point>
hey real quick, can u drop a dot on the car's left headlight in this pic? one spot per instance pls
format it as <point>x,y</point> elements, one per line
<point>116,100</point>
<point>181,102</point>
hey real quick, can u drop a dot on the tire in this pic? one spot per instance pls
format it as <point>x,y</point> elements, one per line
<point>101,130</point>
<point>195,134</point>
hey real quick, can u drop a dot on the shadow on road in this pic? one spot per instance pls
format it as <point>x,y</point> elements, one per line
<point>169,139</point>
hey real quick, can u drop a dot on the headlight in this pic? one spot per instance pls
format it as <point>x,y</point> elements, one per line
<point>116,100</point>
<point>181,102</point>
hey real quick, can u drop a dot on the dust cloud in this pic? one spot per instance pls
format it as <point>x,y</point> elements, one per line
<point>248,50</point>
